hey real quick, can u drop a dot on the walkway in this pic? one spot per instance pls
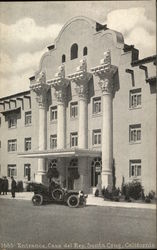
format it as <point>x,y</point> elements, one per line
<point>91,200</point>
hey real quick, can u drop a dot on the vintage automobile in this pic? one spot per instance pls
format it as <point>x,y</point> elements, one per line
<point>54,193</point>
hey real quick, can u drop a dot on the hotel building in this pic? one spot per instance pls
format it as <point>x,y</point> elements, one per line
<point>90,113</point>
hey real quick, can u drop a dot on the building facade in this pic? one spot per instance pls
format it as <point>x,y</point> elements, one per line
<point>90,113</point>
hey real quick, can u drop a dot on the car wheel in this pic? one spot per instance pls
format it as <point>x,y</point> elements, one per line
<point>57,194</point>
<point>73,201</point>
<point>37,200</point>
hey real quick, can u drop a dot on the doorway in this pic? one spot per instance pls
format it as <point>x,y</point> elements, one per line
<point>72,173</point>
<point>96,168</point>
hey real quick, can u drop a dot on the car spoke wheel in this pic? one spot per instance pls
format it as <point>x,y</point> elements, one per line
<point>37,200</point>
<point>57,194</point>
<point>73,201</point>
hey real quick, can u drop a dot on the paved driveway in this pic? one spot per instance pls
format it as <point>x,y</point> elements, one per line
<point>24,226</point>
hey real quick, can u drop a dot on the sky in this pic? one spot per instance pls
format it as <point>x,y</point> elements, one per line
<point>27,28</point>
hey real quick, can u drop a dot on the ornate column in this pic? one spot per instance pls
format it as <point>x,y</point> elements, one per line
<point>60,84</point>
<point>41,88</point>
<point>81,78</point>
<point>105,72</point>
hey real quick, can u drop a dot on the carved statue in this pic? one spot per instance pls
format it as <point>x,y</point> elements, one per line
<point>41,78</point>
<point>107,58</point>
<point>61,72</point>
<point>83,66</point>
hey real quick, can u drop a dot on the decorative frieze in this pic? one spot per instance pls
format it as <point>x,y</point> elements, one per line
<point>81,78</point>
<point>105,71</point>
<point>40,87</point>
<point>60,84</point>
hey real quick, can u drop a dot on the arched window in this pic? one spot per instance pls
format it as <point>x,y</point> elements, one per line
<point>74,51</point>
<point>63,58</point>
<point>85,51</point>
<point>52,163</point>
<point>96,168</point>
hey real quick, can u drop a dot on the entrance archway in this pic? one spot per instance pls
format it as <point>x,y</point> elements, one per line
<point>96,168</point>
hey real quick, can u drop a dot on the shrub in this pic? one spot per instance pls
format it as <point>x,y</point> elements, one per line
<point>111,195</point>
<point>19,186</point>
<point>132,190</point>
<point>151,195</point>
<point>147,199</point>
<point>97,192</point>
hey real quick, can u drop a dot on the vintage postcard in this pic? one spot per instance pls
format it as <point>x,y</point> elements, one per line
<point>78,152</point>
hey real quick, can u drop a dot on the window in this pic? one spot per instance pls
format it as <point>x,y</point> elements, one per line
<point>12,171</point>
<point>135,133</point>
<point>12,145</point>
<point>74,139</point>
<point>0,121</point>
<point>85,51</point>
<point>63,58</point>
<point>96,105</point>
<point>12,122</point>
<point>53,115</point>
<point>27,171</point>
<point>52,163</point>
<point>135,168</point>
<point>135,98</point>
<point>28,118</point>
<point>0,144</point>
<point>97,137</point>
<point>74,51</point>
<point>53,141</point>
<point>27,144</point>
<point>74,109</point>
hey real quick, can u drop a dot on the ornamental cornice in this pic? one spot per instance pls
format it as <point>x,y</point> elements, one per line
<point>59,83</point>
<point>105,71</point>
<point>81,78</point>
<point>40,87</point>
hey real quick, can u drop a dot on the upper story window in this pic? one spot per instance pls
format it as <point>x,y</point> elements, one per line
<point>28,118</point>
<point>74,109</point>
<point>63,58</point>
<point>53,141</point>
<point>27,144</point>
<point>96,105</point>
<point>135,98</point>
<point>135,168</point>
<point>74,51</point>
<point>97,137</point>
<point>12,145</point>
<point>12,122</point>
<point>74,139</point>
<point>85,51</point>
<point>12,171</point>
<point>53,113</point>
<point>135,133</point>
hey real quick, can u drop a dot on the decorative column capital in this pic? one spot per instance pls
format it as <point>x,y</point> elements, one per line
<point>60,84</point>
<point>105,71</point>
<point>81,78</point>
<point>40,88</point>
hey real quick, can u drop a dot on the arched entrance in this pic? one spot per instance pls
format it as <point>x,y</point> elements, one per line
<point>96,168</point>
<point>52,170</point>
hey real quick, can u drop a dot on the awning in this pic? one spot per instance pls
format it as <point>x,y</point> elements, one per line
<point>60,153</point>
<point>15,110</point>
